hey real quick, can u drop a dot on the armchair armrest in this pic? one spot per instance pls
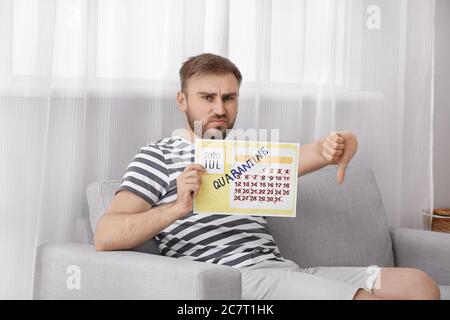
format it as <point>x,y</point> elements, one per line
<point>128,275</point>
<point>425,250</point>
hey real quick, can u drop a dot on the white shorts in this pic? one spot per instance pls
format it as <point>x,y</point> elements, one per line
<point>285,280</point>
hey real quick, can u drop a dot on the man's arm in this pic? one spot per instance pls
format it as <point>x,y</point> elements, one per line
<point>130,220</point>
<point>336,148</point>
<point>310,158</point>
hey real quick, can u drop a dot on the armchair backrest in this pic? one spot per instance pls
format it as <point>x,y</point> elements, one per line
<point>336,225</point>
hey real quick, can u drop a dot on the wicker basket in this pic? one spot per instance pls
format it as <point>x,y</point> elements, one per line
<point>441,220</point>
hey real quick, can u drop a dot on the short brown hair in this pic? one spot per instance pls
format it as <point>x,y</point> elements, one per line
<point>207,63</point>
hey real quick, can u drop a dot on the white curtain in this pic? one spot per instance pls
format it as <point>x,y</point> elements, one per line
<point>84,84</point>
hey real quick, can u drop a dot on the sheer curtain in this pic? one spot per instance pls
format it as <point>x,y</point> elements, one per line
<point>84,84</point>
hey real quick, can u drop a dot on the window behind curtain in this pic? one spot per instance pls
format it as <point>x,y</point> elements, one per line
<point>299,41</point>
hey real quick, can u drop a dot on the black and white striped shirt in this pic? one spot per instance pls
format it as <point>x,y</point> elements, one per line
<point>233,240</point>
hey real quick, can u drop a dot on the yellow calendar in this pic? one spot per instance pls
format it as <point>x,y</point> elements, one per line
<point>247,177</point>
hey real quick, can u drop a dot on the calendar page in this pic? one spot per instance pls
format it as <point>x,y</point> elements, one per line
<point>247,177</point>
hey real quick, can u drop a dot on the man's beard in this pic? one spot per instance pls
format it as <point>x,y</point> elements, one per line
<point>210,132</point>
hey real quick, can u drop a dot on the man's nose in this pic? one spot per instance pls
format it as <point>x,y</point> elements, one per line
<point>219,107</point>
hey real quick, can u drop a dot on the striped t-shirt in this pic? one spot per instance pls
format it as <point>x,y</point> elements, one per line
<point>232,240</point>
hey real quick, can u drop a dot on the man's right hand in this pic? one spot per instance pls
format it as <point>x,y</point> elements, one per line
<point>188,185</point>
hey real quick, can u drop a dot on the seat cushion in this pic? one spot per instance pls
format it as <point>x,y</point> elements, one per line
<point>336,225</point>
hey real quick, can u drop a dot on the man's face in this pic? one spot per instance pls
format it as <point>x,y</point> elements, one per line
<point>211,99</point>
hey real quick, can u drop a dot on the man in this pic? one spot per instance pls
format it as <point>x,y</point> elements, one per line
<point>155,199</point>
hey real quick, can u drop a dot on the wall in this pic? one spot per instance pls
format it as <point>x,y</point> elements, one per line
<point>442,106</point>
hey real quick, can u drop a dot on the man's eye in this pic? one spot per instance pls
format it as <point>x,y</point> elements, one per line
<point>208,98</point>
<point>228,98</point>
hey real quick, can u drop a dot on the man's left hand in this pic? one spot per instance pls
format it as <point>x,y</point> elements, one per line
<point>339,148</point>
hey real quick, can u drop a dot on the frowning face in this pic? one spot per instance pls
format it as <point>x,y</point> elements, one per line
<point>211,100</point>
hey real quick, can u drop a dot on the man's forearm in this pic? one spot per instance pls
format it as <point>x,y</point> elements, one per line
<point>117,231</point>
<point>310,158</point>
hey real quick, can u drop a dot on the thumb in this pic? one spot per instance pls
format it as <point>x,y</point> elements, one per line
<point>341,172</point>
<point>351,146</point>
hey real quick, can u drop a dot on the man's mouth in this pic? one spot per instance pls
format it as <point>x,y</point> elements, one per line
<point>217,122</point>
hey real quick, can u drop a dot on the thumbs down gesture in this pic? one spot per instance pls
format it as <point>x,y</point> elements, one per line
<point>339,147</point>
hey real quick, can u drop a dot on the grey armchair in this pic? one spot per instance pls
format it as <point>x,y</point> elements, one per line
<point>336,225</point>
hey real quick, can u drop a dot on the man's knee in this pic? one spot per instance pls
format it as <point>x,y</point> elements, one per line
<point>421,285</point>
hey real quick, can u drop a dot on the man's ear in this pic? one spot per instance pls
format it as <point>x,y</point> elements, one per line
<point>181,101</point>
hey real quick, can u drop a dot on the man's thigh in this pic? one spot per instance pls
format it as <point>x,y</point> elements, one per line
<point>360,277</point>
<point>280,280</point>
